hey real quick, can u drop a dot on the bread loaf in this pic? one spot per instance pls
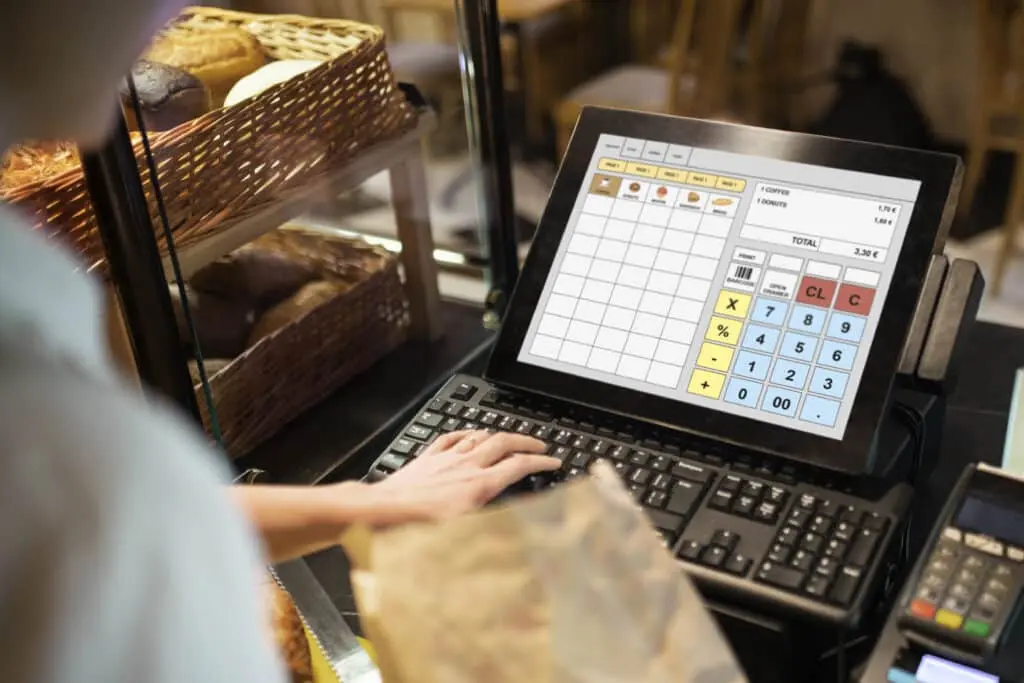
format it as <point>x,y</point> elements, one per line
<point>261,275</point>
<point>267,76</point>
<point>289,634</point>
<point>222,325</point>
<point>218,57</point>
<point>169,96</point>
<point>307,299</point>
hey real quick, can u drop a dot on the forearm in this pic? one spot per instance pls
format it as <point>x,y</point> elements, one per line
<point>297,520</point>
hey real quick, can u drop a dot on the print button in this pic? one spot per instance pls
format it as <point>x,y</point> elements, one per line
<point>855,299</point>
<point>733,304</point>
<point>704,383</point>
<point>743,392</point>
<point>769,311</point>
<point>715,356</point>
<point>816,291</point>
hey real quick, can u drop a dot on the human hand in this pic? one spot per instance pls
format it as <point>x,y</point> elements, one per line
<point>459,472</point>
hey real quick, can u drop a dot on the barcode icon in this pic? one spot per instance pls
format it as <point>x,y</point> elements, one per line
<point>742,272</point>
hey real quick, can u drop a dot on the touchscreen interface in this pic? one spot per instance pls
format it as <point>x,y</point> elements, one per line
<point>740,283</point>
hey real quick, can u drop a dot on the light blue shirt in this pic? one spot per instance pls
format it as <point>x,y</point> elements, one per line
<point>121,558</point>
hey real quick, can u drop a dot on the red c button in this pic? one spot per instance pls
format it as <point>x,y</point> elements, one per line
<point>855,299</point>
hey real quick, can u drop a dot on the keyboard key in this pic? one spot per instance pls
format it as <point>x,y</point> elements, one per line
<point>638,491</point>
<point>562,437</point>
<point>392,461</point>
<point>666,521</point>
<point>619,453</point>
<point>817,586</point>
<point>779,553</point>
<point>438,405</point>
<point>574,472</point>
<point>581,442</point>
<point>714,556</point>
<point>807,501</point>
<point>754,489</point>
<point>844,531</point>
<point>507,423</point>
<point>725,539</point>
<point>419,432</point>
<point>490,398</point>
<point>600,447</point>
<point>738,564</point>
<point>851,514</point>
<point>767,513</point>
<point>777,495</point>
<point>463,392</point>
<point>875,522</point>
<point>524,427</point>
<point>563,453</point>
<point>820,525</point>
<point>661,481</point>
<point>827,507</point>
<point>744,505</point>
<point>639,458</point>
<point>836,550</point>
<point>489,419</point>
<point>798,517</point>
<point>802,560</point>
<point>403,446</point>
<point>685,497</point>
<point>452,424</point>
<point>812,543</point>
<point>580,459</point>
<point>781,576</point>
<point>685,470</point>
<point>656,499</point>
<point>430,419</point>
<point>730,483</point>
<point>691,551</point>
<point>788,535</point>
<point>863,548</point>
<point>660,463</point>
<point>621,468</point>
<point>640,476</point>
<point>845,586</point>
<point>826,567</point>
<point>543,433</point>
<point>453,409</point>
<point>471,413</point>
<point>720,500</point>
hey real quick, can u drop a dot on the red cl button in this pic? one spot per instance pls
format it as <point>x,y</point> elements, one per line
<point>816,291</point>
<point>854,299</point>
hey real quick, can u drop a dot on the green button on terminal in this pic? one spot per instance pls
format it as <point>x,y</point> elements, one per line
<point>976,628</point>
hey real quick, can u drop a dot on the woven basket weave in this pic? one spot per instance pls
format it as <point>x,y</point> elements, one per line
<point>230,163</point>
<point>299,365</point>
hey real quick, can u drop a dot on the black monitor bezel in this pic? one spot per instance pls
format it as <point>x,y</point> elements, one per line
<point>939,175</point>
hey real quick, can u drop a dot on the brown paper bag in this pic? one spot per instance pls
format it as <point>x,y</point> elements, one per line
<point>568,586</point>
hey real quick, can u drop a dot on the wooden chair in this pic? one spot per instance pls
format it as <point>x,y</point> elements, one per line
<point>998,114</point>
<point>696,82</point>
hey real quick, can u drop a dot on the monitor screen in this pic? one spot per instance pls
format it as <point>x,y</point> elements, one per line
<point>743,284</point>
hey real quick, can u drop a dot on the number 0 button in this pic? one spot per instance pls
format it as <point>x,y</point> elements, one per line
<point>780,401</point>
<point>837,355</point>
<point>828,382</point>
<point>743,392</point>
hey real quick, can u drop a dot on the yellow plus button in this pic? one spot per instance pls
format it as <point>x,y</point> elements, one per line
<point>732,303</point>
<point>724,331</point>
<point>704,383</point>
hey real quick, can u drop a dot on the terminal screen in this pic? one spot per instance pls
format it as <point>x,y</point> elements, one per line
<point>739,283</point>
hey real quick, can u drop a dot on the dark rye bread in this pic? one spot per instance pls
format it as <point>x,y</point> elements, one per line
<point>169,96</point>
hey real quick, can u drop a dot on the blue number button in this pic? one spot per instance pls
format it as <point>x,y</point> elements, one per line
<point>846,327</point>
<point>828,382</point>
<point>743,392</point>
<point>760,338</point>
<point>820,411</point>
<point>798,346</point>
<point>780,401</point>
<point>752,365</point>
<point>790,374</point>
<point>837,355</point>
<point>807,319</point>
<point>769,311</point>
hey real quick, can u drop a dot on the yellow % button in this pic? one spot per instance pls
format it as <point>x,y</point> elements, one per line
<point>724,331</point>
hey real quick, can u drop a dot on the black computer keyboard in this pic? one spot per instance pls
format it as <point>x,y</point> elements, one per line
<point>750,531</point>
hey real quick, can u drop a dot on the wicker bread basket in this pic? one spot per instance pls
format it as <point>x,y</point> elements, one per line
<point>230,163</point>
<point>299,365</point>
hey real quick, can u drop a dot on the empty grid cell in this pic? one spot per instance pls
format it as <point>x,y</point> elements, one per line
<point>590,225</point>
<point>638,255</point>
<point>649,324</point>
<point>648,235</point>
<point>685,220</point>
<point>826,270</point>
<point>641,346</point>
<point>711,247</point>
<point>619,318</point>
<point>655,215</point>
<point>664,374</point>
<point>869,278</point>
<point>619,230</point>
<point>678,241</point>
<point>653,302</point>
<point>560,305</point>
<point>553,325</point>
<point>590,311</point>
<point>585,245</point>
<point>574,264</point>
<point>627,210</point>
<point>611,250</point>
<point>670,261</point>
<point>545,346</point>
<point>634,276</point>
<point>693,288</point>
<point>633,367</point>
<point>604,270</point>
<point>595,290</point>
<point>714,226</point>
<point>626,297</point>
<point>584,333</point>
<point>786,262</point>
<point>697,266</point>
<point>603,360</point>
<point>671,352</point>
<point>679,331</point>
<point>574,353</point>
<point>611,339</point>
<point>570,285</point>
<point>663,282</point>
<point>685,309</point>
<point>598,205</point>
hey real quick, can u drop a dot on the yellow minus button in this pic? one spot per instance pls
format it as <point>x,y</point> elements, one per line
<point>672,174</point>
<point>645,170</point>
<point>948,619</point>
<point>731,184</point>
<point>714,356</point>
<point>614,165</point>
<point>702,179</point>
<point>704,383</point>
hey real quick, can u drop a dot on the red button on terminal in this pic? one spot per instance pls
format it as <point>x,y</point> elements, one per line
<point>922,610</point>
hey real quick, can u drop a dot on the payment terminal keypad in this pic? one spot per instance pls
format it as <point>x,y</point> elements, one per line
<point>786,348</point>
